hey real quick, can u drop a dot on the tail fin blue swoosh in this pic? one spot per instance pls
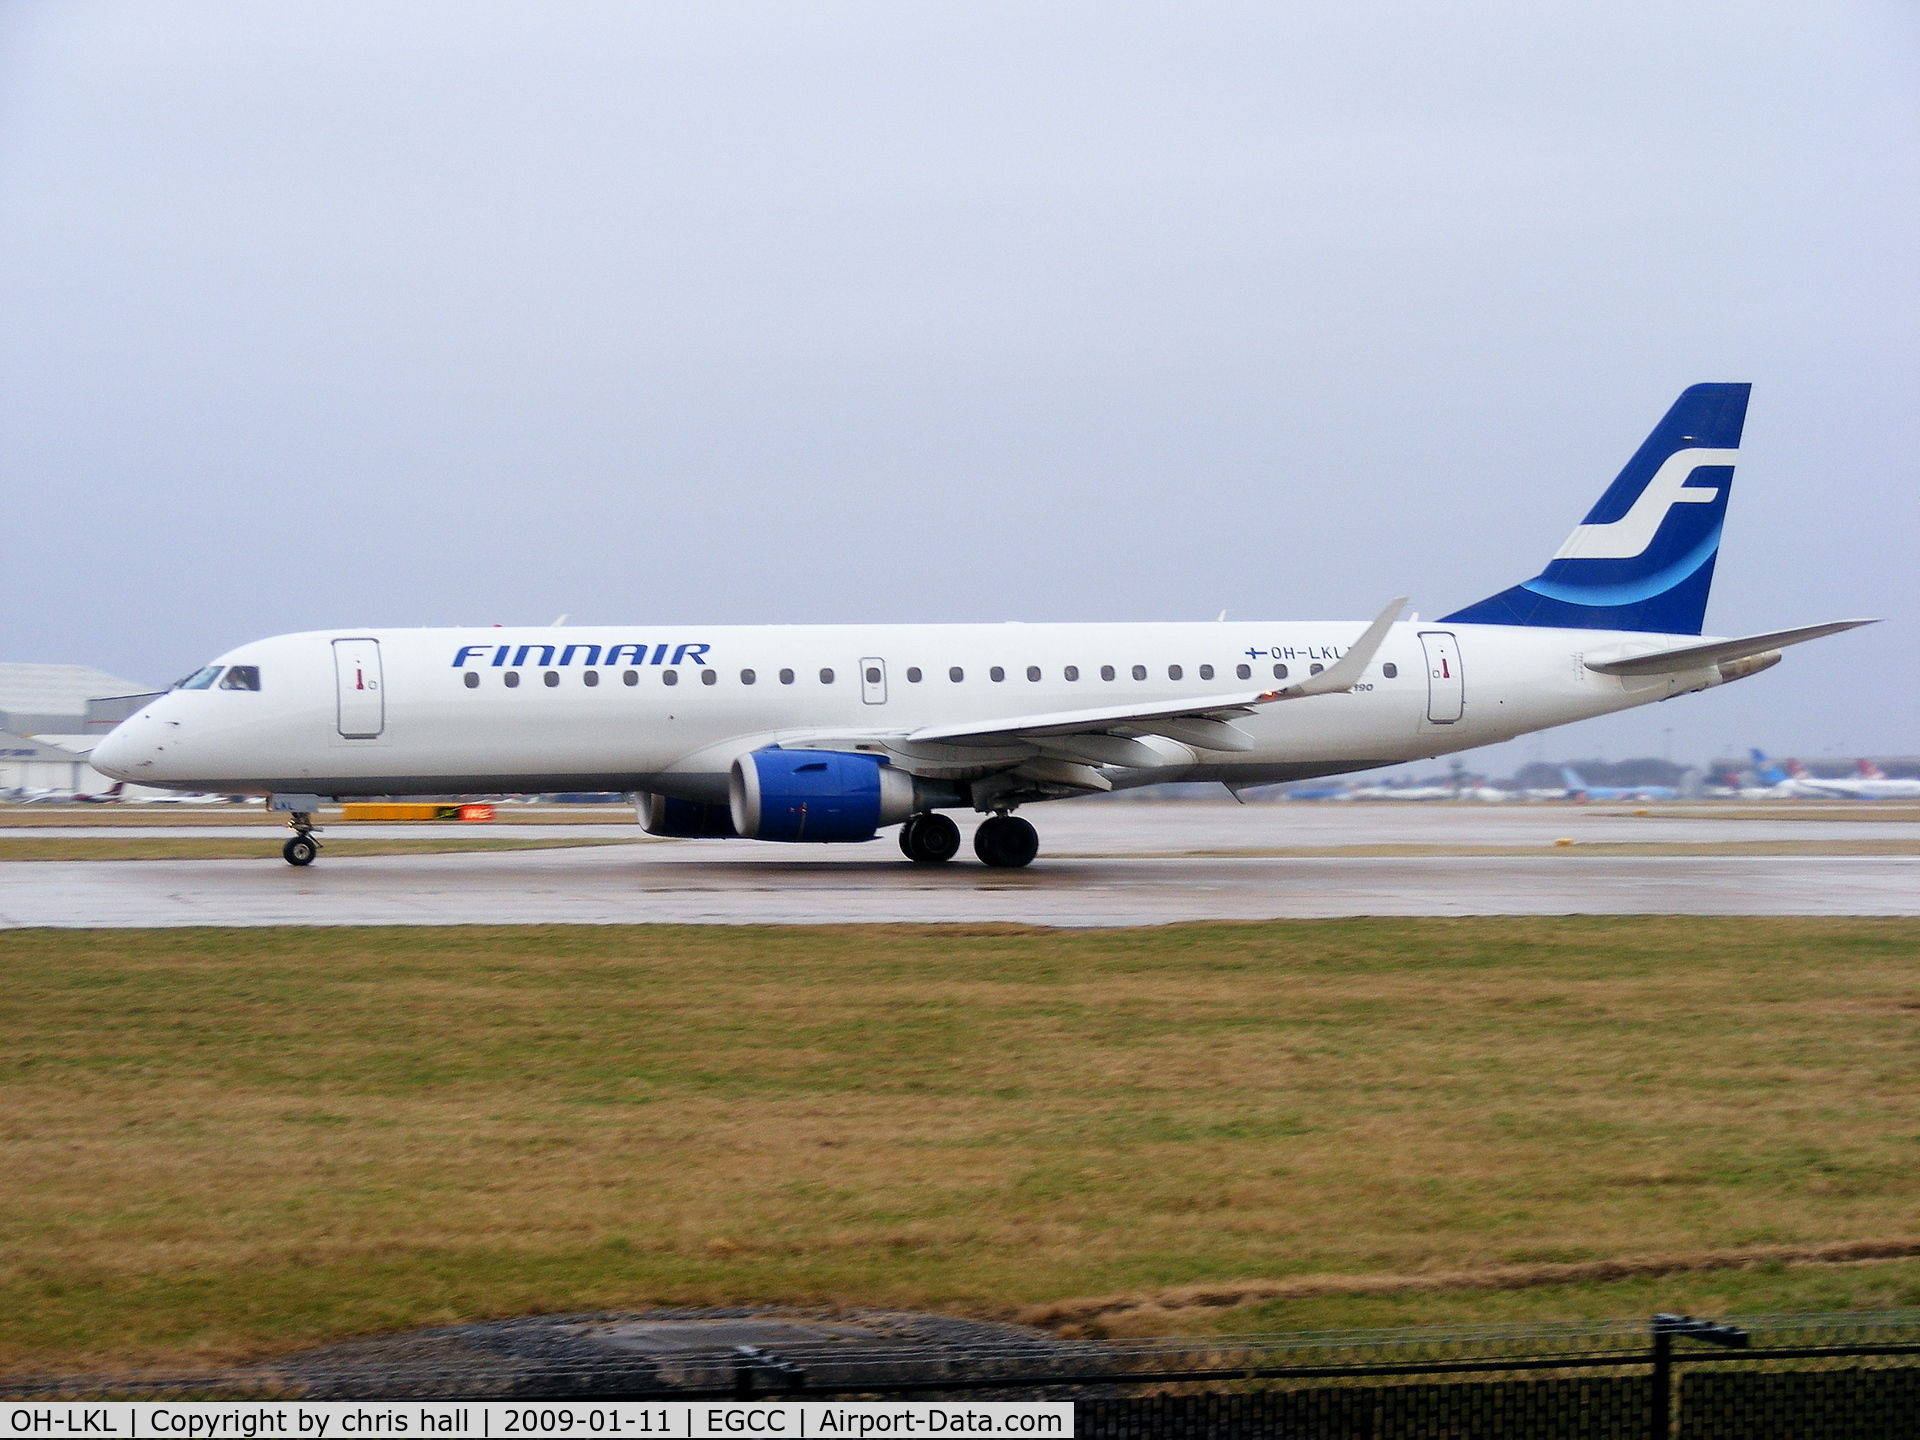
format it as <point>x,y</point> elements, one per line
<point>1643,558</point>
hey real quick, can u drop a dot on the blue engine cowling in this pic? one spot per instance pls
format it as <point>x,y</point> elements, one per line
<point>819,795</point>
<point>682,819</point>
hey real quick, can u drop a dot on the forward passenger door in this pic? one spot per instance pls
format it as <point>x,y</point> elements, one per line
<point>360,688</point>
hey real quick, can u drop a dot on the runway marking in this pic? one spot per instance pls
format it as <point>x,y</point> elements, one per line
<point>37,849</point>
<point>1578,847</point>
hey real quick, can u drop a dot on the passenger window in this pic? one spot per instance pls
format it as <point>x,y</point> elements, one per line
<point>200,679</point>
<point>708,677</point>
<point>1139,672</point>
<point>913,675</point>
<point>1315,669</point>
<point>513,679</point>
<point>956,674</point>
<point>1033,672</point>
<point>590,678</point>
<point>1174,672</point>
<point>1106,672</point>
<point>669,677</point>
<point>996,674</point>
<point>747,677</point>
<point>552,677</point>
<point>1279,672</point>
<point>630,677</point>
<point>241,677</point>
<point>826,677</point>
<point>1389,670</point>
<point>873,675</point>
<point>1206,672</point>
<point>473,680</point>
<point>1072,672</point>
<point>786,677</point>
<point>1245,672</point>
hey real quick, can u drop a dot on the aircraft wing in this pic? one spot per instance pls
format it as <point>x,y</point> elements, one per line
<point>1205,714</point>
<point>1699,657</point>
<point>1066,748</point>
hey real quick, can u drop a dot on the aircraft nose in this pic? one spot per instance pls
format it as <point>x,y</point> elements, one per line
<point>131,750</point>
<point>114,756</point>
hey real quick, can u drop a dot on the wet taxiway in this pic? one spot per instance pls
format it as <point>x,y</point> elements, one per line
<point>1101,864</point>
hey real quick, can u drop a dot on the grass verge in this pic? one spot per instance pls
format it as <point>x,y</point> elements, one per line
<point>227,1142</point>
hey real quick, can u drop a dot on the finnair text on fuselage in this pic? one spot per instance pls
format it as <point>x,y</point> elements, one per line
<point>621,653</point>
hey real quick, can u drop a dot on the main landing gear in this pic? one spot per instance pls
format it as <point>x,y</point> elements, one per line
<point>930,838</point>
<point>1006,842</point>
<point>302,848</point>
<point>1002,841</point>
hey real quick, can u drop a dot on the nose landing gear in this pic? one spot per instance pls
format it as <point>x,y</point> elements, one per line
<point>302,848</point>
<point>1006,842</point>
<point>930,838</point>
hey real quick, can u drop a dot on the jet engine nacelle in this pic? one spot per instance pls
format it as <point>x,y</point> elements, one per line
<point>682,819</point>
<point>821,795</point>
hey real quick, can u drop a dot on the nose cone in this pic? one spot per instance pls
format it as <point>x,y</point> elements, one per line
<point>116,755</point>
<point>141,747</point>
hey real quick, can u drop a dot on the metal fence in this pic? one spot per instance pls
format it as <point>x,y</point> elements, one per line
<point>1851,1374</point>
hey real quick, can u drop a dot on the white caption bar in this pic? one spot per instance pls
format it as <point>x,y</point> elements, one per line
<point>495,1420</point>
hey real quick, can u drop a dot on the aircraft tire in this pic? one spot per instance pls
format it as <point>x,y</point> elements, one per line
<point>1006,842</point>
<point>299,850</point>
<point>930,839</point>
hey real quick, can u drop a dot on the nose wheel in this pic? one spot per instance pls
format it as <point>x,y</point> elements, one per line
<point>302,849</point>
<point>1006,842</point>
<point>930,839</point>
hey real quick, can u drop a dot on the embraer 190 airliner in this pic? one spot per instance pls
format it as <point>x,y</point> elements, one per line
<point>825,733</point>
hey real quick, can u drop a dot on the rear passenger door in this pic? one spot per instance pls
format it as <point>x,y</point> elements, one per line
<point>1446,691</point>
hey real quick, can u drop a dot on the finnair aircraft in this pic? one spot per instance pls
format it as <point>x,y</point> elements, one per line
<point>834,732</point>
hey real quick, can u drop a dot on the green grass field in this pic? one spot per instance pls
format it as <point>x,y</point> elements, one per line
<point>222,1143</point>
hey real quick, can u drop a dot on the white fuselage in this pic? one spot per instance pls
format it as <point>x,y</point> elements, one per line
<point>668,709</point>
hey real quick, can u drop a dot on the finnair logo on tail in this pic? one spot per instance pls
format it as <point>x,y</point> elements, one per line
<point>1633,532</point>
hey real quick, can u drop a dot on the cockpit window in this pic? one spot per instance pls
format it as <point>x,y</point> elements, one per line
<point>200,679</point>
<point>241,677</point>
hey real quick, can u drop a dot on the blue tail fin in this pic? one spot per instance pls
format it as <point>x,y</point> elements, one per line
<point>1766,770</point>
<point>1643,557</point>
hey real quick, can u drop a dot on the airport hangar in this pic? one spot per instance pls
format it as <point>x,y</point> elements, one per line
<point>50,718</point>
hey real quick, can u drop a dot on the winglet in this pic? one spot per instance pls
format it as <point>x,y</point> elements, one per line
<point>1346,672</point>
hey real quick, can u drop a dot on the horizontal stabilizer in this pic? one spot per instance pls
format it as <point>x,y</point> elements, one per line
<point>1718,652</point>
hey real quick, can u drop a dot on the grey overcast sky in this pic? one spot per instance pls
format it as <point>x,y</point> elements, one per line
<point>353,314</point>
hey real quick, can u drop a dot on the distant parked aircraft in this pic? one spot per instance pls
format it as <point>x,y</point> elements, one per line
<point>1868,784</point>
<point>1579,789</point>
